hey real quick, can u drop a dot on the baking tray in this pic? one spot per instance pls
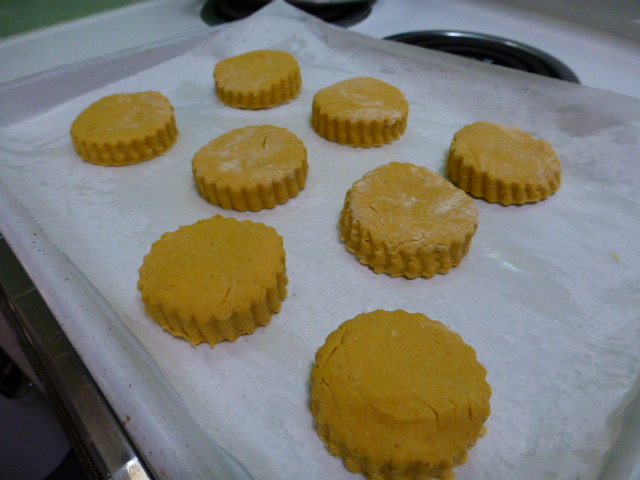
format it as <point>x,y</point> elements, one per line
<point>548,295</point>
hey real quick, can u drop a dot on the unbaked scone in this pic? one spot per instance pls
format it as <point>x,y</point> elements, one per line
<point>215,279</point>
<point>361,112</point>
<point>503,164</point>
<point>125,128</point>
<point>399,396</point>
<point>258,79</point>
<point>403,219</point>
<point>251,168</point>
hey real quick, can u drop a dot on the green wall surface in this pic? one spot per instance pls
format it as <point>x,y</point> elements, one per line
<point>18,16</point>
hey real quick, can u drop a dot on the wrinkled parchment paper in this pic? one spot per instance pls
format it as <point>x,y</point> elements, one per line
<point>548,296</point>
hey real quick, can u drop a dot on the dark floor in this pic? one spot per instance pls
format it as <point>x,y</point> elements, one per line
<point>69,469</point>
<point>33,444</point>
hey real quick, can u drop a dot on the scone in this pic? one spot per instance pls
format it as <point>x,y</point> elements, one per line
<point>258,79</point>
<point>214,280</point>
<point>125,128</point>
<point>399,396</point>
<point>403,219</point>
<point>251,168</point>
<point>503,164</point>
<point>361,112</point>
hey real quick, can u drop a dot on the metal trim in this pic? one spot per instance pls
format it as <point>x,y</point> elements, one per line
<point>99,439</point>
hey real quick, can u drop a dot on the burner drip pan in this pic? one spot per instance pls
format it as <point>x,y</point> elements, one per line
<point>490,49</point>
<point>343,14</point>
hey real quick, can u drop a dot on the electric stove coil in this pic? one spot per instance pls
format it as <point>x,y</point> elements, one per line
<point>342,13</point>
<point>490,49</point>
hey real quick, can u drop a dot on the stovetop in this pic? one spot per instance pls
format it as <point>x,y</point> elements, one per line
<point>596,57</point>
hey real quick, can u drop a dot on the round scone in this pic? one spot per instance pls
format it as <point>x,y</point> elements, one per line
<point>503,164</point>
<point>125,128</point>
<point>258,79</point>
<point>405,220</point>
<point>399,396</point>
<point>214,280</point>
<point>361,112</point>
<point>251,168</point>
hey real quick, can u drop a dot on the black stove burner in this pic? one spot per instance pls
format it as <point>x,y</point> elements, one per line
<point>490,49</point>
<point>344,14</point>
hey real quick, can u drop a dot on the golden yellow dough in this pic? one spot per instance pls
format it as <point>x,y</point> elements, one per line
<point>125,128</point>
<point>399,396</point>
<point>361,112</point>
<point>214,280</point>
<point>251,168</point>
<point>503,164</point>
<point>258,79</point>
<point>404,219</point>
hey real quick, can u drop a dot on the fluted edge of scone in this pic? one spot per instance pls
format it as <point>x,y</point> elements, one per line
<point>364,134</point>
<point>387,470</point>
<point>258,197</point>
<point>281,91</point>
<point>216,329</point>
<point>418,261</point>
<point>495,190</point>
<point>126,153</point>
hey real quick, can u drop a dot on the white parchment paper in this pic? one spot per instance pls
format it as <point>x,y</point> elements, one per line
<point>548,296</point>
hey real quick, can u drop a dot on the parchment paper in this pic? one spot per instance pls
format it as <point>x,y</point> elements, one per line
<point>548,295</point>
